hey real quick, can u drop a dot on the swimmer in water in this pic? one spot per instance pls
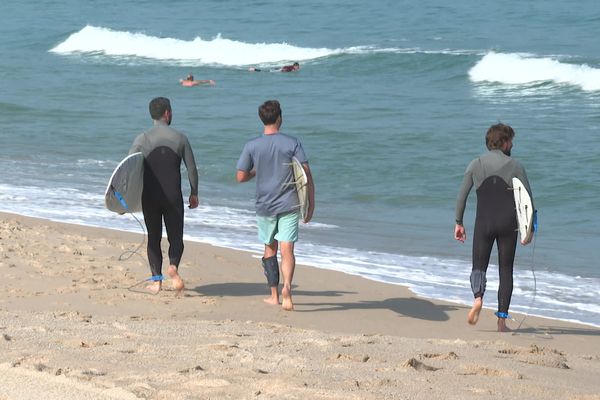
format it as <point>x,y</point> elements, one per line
<point>286,68</point>
<point>190,81</point>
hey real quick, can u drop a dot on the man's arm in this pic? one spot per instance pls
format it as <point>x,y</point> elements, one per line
<point>137,145</point>
<point>461,202</point>
<point>190,164</point>
<point>245,176</point>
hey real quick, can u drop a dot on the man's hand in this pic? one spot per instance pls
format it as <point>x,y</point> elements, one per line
<point>309,214</point>
<point>193,201</point>
<point>459,233</point>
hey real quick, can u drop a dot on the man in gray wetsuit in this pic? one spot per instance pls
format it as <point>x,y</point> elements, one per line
<point>496,219</point>
<point>164,148</point>
<point>268,158</point>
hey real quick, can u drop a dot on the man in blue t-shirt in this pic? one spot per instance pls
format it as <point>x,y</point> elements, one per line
<point>268,158</point>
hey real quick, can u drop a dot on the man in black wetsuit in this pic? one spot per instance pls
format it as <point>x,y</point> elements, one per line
<point>496,220</point>
<point>164,148</point>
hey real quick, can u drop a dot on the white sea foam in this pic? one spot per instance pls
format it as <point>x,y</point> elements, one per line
<point>217,51</point>
<point>519,69</point>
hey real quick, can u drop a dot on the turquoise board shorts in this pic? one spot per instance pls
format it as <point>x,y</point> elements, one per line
<point>282,227</point>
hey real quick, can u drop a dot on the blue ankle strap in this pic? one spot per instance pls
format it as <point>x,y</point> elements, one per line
<point>156,278</point>
<point>502,315</point>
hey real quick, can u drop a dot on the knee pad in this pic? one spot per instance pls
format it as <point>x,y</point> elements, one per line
<point>478,281</point>
<point>271,270</point>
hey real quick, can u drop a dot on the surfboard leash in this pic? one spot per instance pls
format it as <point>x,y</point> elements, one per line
<point>534,240</point>
<point>154,278</point>
<point>127,254</point>
<point>534,284</point>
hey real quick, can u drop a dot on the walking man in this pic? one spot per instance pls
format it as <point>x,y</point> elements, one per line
<point>164,148</point>
<point>496,219</point>
<point>268,158</point>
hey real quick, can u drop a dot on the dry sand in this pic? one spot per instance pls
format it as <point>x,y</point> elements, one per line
<point>71,329</point>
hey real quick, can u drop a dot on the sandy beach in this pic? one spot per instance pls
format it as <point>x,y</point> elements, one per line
<point>72,327</point>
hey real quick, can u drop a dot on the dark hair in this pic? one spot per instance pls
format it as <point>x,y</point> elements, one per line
<point>158,106</point>
<point>269,111</point>
<point>497,135</point>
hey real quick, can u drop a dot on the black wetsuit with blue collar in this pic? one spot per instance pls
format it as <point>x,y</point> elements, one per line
<point>496,219</point>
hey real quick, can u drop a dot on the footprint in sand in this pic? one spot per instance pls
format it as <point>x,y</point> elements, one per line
<point>418,365</point>
<point>447,356</point>
<point>352,357</point>
<point>484,371</point>
<point>536,355</point>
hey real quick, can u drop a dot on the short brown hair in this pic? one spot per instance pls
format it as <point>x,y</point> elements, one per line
<point>269,111</point>
<point>158,106</point>
<point>497,135</point>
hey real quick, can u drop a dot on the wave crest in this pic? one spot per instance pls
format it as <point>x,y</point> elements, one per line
<point>515,69</point>
<point>218,51</point>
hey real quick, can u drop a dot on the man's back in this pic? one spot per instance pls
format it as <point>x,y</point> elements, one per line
<point>271,155</point>
<point>163,149</point>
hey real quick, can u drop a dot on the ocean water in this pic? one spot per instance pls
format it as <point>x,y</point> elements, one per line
<point>392,101</point>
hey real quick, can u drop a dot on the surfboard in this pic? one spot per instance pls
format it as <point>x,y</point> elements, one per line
<point>525,213</point>
<point>301,182</point>
<point>124,191</point>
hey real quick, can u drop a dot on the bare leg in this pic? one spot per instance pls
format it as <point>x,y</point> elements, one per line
<point>288,264</point>
<point>502,325</point>
<point>473,315</point>
<point>270,251</point>
<point>178,284</point>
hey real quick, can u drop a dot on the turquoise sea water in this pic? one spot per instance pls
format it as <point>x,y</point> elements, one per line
<point>392,102</point>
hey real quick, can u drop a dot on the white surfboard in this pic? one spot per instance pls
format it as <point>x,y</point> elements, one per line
<point>524,211</point>
<point>301,182</point>
<point>124,191</point>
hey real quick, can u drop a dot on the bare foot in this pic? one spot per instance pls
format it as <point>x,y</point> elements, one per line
<point>287,303</point>
<point>271,300</point>
<point>274,298</point>
<point>177,281</point>
<point>154,287</point>
<point>502,325</point>
<point>473,315</point>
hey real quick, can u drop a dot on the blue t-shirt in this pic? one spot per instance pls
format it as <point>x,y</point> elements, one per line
<point>271,156</point>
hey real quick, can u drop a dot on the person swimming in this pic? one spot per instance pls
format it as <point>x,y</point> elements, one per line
<point>286,68</point>
<point>190,81</point>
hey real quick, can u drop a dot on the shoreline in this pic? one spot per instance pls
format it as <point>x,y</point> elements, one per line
<point>521,315</point>
<point>69,323</point>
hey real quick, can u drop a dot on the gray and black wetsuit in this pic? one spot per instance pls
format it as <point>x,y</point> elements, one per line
<point>163,149</point>
<point>496,219</point>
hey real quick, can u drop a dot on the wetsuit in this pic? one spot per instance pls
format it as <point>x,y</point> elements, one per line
<point>496,219</point>
<point>164,148</point>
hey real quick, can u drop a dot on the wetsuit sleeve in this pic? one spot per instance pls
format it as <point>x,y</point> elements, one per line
<point>463,193</point>
<point>137,145</point>
<point>190,165</point>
